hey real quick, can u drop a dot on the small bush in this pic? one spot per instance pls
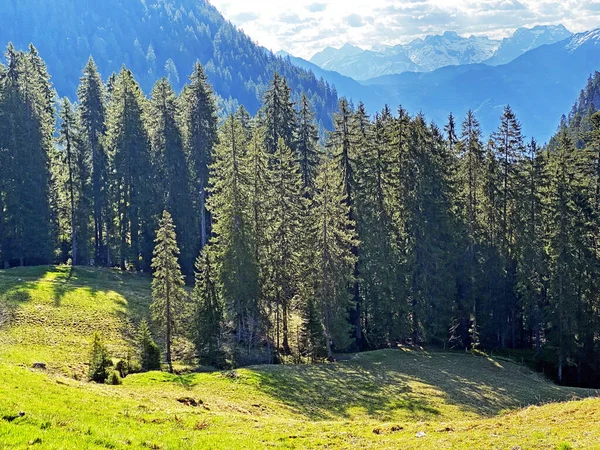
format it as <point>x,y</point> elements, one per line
<point>124,367</point>
<point>114,378</point>
<point>149,351</point>
<point>99,361</point>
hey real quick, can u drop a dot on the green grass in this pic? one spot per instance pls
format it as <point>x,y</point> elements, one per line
<point>376,399</point>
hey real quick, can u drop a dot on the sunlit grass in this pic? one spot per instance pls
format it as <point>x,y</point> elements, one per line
<point>377,399</point>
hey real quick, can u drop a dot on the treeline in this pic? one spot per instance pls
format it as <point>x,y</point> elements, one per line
<point>393,231</point>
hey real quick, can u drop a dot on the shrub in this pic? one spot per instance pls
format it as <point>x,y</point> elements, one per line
<point>114,378</point>
<point>122,367</point>
<point>99,361</point>
<point>149,351</point>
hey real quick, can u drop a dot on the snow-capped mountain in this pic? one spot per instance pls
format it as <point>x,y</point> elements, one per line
<point>525,39</point>
<point>330,55</point>
<point>449,49</point>
<point>420,55</point>
<point>433,52</point>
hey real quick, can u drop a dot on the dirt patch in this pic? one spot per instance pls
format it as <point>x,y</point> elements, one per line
<point>189,401</point>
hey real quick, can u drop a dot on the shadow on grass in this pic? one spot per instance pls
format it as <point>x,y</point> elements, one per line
<point>129,294</point>
<point>342,390</point>
<point>416,384</point>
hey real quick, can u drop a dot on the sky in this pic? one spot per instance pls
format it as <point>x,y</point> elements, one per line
<point>304,27</point>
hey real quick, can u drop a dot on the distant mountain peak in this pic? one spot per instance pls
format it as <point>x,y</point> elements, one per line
<point>525,39</point>
<point>577,40</point>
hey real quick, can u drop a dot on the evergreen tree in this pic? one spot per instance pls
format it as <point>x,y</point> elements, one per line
<point>92,117</point>
<point>172,181</point>
<point>307,144</point>
<point>209,311</point>
<point>167,283</point>
<point>149,353</point>
<point>378,262</point>
<point>469,180</point>
<point>562,243</point>
<point>199,124</point>
<point>278,115</point>
<point>100,361</point>
<point>235,258</point>
<point>26,138</point>
<point>128,147</point>
<point>531,258</point>
<point>334,241</point>
<point>286,222</point>
<point>508,143</point>
<point>342,143</point>
<point>73,177</point>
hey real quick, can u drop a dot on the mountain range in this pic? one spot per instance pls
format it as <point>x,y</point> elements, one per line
<point>154,38</point>
<point>540,85</point>
<point>434,52</point>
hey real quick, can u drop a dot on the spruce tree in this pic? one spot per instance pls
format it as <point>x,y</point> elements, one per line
<point>170,166</point>
<point>209,311</point>
<point>72,175</point>
<point>199,125</point>
<point>132,197</point>
<point>167,283</point>
<point>380,290</point>
<point>235,258</point>
<point>469,183</point>
<point>342,145</point>
<point>91,109</point>
<point>26,142</point>
<point>149,353</point>
<point>286,222</point>
<point>307,144</point>
<point>562,243</point>
<point>334,240</point>
<point>278,115</point>
<point>508,143</point>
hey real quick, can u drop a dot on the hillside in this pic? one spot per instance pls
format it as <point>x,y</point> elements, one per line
<point>153,38</point>
<point>378,399</point>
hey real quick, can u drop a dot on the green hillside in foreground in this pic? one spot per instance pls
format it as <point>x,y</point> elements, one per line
<point>380,399</point>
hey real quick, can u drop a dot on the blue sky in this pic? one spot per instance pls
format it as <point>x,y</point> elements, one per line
<point>303,27</point>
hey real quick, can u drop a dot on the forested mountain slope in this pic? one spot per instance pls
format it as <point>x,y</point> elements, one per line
<point>154,38</point>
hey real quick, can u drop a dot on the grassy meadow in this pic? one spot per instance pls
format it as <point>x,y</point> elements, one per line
<point>395,398</point>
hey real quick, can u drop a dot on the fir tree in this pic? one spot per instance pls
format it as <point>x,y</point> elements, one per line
<point>306,144</point>
<point>278,116</point>
<point>167,283</point>
<point>172,181</point>
<point>235,258</point>
<point>209,311</point>
<point>199,124</point>
<point>334,240</point>
<point>74,166</point>
<point>128,146</point>
<point>92,119</point>
<point>149,353</point>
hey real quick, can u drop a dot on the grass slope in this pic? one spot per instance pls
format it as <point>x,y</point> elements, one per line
<point>377,399</point>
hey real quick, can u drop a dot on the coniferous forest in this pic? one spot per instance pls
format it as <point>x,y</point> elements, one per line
<point>389,230</point>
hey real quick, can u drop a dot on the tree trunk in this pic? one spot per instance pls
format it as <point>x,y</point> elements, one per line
<point>286,343</point>
<point>168,314</point>
<point>203,234</point>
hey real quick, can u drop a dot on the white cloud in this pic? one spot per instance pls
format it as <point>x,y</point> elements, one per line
<point>303,27</point>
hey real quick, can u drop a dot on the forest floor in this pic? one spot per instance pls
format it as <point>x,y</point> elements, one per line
<point>388,399</point>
